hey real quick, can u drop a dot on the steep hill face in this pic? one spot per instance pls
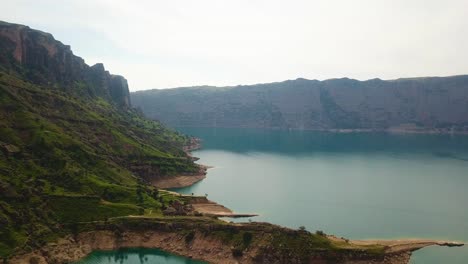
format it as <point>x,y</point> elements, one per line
<point>39,58</point>
<point>419,104</point>
<point>71,148</point>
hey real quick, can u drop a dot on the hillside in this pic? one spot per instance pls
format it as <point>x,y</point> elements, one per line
<point>434,104</point>
<point>71,147</point>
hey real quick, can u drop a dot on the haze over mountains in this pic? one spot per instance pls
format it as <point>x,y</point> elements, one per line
<point>429,104</point>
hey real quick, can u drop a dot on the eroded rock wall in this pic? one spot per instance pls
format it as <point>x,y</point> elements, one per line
<point>202,247</point>
<point>40,58</point>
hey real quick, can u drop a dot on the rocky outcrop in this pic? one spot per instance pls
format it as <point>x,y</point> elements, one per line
<point>203,248</point>
<point>41,59</point>
<point>9,149</point>
<point>225,243</point>
<point>119,90</point>
<point>435,104</point>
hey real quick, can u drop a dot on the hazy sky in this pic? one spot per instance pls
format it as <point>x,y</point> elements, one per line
<point>161,44</point>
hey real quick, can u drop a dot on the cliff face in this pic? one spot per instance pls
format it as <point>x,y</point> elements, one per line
<point>41,59</point>
<point>71,149</point>
<point>215,241</point>
<point>439,104</point>
<point>202,247</point>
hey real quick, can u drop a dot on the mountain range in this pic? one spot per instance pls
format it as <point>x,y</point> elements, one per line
<point>429,104</point>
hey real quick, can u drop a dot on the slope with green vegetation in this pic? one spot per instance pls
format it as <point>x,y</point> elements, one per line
<point>71,151</point>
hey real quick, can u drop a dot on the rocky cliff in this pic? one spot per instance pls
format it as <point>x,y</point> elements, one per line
<point>38,57</point>
<point>418,104</point>
<point>220,242</point>
<point>71,148</point>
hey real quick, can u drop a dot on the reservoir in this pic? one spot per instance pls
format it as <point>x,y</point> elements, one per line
<point>355,185</point>
<point>358,185</point>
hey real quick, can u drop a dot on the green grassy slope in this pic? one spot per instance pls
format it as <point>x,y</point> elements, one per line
<point>68,159</point>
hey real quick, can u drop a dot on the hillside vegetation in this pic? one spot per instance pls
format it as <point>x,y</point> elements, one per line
<point>71,150</point>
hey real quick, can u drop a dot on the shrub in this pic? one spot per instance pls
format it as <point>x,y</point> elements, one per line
<point>247,238</point>
<point>320,233</point>
<point>236,252</point>
<point>189,237</point>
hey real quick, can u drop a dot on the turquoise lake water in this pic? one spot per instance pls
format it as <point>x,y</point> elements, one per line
<point>135,256</point>
<point>353,185</point>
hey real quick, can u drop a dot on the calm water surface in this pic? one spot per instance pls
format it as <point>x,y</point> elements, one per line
<point>136,256</point>
<point>352,185</point>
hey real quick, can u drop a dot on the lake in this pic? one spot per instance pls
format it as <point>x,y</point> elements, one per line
<point>353,185</point>
<point>362,185</point>
<point>135,256</point>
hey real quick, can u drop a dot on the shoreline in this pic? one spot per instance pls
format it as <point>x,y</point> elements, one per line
<point>205,207</point>
<point>181,181</point>
<point>204,238</point>
<point>171,233</point>
<point>401,245</point>
<point>201,206</point>
<point>391,130</point>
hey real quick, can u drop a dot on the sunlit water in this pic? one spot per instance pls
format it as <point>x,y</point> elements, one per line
<point>352,185</point>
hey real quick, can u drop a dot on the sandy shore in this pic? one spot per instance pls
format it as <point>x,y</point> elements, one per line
<point>177,181</point>
<point>180,181</point>
<point>408,244</point>
<point>398,245</point>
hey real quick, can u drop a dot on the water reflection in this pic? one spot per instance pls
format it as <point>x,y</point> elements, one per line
<point>135,256</point>
<point>307,142</point>
<point>367,185</point>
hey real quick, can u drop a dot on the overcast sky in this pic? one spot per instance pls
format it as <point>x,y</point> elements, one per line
<point>163,44</point>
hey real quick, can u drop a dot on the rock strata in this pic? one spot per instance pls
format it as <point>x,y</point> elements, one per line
<point>415,105</point>
<point>204,241</point>
<point>41,59</point>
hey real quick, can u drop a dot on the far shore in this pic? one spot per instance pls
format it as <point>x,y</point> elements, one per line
<point>390,130</point>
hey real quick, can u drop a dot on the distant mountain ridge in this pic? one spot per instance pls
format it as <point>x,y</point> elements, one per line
<point>436,104</point>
